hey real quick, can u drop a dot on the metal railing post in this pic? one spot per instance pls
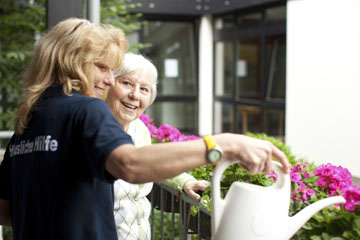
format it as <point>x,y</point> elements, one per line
<point>189,225</point>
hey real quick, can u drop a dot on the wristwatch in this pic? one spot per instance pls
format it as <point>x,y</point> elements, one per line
<point>214,152</point>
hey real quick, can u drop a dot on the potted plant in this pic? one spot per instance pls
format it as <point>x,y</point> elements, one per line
<point>310,183</point>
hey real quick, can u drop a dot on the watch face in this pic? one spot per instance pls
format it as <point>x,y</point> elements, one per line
<point>214,155</point>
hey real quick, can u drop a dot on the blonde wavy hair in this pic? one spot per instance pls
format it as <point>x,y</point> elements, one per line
<point>66,56</point>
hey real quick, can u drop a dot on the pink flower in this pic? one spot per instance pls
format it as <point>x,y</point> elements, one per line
<point>304,197</point>
<point>352,195</point>
<point>321,182</point>
<point>165,133</point>
<point>310,192</point>
<point>303,190</point>
<point>333,178</point>
<point>152,130</point>
<point>146,120</point>
<point>168,133</point>
<point>294,169</point>
<point>306,174</point>
<point>299,168</point>
<point>306,193</point>
<point>295,177</point>
<point>273,175</point>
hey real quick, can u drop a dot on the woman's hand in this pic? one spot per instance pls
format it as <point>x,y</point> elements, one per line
<point>193,186</point>
<point>254,155</point>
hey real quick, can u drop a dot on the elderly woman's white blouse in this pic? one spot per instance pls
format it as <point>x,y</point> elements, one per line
<point>132,208</point>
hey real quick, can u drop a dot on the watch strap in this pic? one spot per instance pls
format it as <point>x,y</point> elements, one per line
<point>209,141</point>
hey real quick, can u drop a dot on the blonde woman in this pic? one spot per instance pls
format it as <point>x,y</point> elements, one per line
<point>56,179</point>
<point>53,174</point>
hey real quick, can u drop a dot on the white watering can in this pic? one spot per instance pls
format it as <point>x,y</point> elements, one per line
<point>252,212</point>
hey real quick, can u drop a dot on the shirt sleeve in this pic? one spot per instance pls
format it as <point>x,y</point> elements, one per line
<point>138,130</point>
<point>179,181</point>
<point>101,134</point>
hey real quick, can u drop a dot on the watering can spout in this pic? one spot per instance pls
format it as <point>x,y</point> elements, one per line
<point>298,220</point>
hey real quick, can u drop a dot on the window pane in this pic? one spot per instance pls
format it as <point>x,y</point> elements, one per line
<point>248,68</point>
<point>276,13</point>
<point>182,115</point>
<point>248,119</point>
<point>275,67</point>
<point>224,22</point>
<point>274,122</point>
<point>249,18</point>
<point>172,52</point>
<point>224,68</point>
<point>233,20</point>
<point>224,116</point>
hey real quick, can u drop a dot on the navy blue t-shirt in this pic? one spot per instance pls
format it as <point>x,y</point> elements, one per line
<point>54,173</point>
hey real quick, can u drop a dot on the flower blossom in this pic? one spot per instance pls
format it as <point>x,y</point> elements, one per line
<point>165,133</point>
<point>273,175</point>
<point>168,133</point>
<point>152,130</point>
<point>351,193</point>
<point>303,190</point>
<point>296,175</point>
<point>146,120</point>
<point>332,178</point>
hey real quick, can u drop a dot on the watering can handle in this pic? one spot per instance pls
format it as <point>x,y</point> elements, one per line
<point>218,203</point>
<point>223,165</point>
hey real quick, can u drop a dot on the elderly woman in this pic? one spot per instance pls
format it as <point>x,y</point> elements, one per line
<point>133,92</point>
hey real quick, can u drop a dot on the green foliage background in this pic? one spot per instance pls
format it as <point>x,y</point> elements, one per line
<point>19,27</point>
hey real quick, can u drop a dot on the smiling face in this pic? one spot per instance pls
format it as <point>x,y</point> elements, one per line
<point>103,79</point>
<point>130,96</point>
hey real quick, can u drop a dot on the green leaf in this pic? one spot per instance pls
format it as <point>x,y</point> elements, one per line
<point>315,238</point>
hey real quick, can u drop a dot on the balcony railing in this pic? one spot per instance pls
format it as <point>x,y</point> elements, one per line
<point>171,218</point>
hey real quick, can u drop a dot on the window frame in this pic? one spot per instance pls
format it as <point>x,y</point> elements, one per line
<point>261,29</point>
<point>179,98</point>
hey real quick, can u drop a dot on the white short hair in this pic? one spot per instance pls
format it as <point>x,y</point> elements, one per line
<point>134,62</point>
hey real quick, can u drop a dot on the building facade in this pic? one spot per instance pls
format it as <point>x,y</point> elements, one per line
<point>221,64</point>
<point>286,68</point>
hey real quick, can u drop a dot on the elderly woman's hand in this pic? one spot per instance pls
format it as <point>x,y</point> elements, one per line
<point>193,186</point>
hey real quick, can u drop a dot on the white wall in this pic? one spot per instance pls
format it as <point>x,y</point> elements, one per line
<point>323,81</point>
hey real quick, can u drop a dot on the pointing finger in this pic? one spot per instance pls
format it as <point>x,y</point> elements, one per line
<point>279,155</point>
